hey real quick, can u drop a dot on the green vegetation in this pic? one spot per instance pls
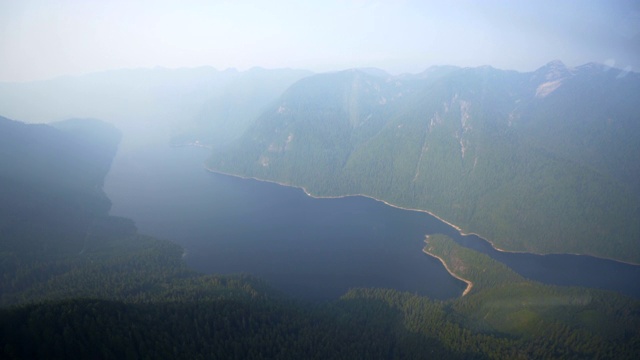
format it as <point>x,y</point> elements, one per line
<point>77,283</point>
<point>148,305</point>
<point>530,166</point>
<point>502,302</point>
<point>482,271</point>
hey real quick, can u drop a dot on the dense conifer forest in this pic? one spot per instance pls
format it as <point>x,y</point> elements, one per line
<point>543,161</point>
<point>78,283</point>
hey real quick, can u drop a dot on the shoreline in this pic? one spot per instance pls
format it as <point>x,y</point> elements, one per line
<point>444,263</point>
<point>457,228</point>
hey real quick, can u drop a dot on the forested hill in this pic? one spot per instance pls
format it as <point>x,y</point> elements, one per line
<point>72,153</point>
<point>546,161</point>
<point>76,283</point>
<point>51,184</point>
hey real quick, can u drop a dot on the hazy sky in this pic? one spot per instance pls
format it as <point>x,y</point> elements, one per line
<point>41,39</point>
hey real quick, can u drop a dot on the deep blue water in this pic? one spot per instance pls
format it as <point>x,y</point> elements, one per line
<point>311,248</point>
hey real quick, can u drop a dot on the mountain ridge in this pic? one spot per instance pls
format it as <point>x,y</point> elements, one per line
<point>153,104</point>
<point>94,287</point>
<point>483,148</point>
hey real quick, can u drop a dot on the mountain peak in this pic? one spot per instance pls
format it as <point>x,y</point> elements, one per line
<point>552,71</point>
<point>374,72</point>
<point>598,68</point>
<point>550,77</point>
<point>555,64</point>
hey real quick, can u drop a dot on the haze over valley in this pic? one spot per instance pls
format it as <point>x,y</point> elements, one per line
<point>224,180</point>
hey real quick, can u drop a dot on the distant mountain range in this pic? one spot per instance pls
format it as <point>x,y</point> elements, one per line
<point>546,161</point>
<point>78,283</point>
<point>149,105</point>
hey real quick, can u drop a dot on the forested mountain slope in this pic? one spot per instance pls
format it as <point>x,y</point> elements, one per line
<point>51,185</point>
<point>77,283</point>
<point>546,162</point>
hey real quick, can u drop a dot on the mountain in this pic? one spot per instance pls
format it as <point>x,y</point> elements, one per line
<point>227,113</point>
<point>51,184</point>
<point>544,162</point>
<point>78,283</point>
<point>150,105</point>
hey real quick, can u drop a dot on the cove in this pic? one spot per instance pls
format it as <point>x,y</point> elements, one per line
<point>312,248</point>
